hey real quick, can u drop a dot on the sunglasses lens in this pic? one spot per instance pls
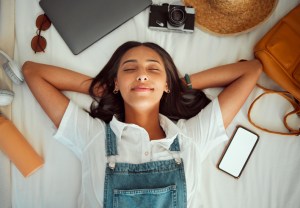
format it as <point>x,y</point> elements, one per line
<point>38,43</point>
<point>43,22</point>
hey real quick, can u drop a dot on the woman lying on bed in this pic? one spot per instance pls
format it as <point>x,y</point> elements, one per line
<point>147,132</point>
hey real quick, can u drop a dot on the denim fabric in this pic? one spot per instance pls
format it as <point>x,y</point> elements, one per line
<point>111,142</point>
<point>159,184</point>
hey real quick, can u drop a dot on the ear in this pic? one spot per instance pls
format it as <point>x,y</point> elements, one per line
<point>116,84</point>
<point>167,90</point>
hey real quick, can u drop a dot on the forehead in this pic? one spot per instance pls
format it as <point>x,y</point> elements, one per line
<point>141,53</point>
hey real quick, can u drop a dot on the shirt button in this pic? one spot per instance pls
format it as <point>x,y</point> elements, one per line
<point>146,153</point>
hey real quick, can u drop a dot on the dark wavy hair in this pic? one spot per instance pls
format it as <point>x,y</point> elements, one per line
<point>181,102</point>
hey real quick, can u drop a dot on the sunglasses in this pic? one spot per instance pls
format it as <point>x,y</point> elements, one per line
<point>38,42</point>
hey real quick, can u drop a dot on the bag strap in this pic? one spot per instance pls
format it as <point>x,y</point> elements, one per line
<point>286,95</point>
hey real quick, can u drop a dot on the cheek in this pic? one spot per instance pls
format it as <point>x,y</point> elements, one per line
<point>123,84</point>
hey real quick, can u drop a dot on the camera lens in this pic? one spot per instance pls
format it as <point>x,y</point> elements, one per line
<point>177,16</point>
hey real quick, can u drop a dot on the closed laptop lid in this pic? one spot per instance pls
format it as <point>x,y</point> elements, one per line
<point>82,22</point>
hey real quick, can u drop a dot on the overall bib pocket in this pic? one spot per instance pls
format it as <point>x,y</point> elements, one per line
<point>165,197</point>
<point>154,184</point>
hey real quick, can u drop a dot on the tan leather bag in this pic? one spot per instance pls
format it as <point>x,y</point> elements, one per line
<point>279,52</point>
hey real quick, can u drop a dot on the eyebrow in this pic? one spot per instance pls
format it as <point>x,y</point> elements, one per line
<point>135,61</point>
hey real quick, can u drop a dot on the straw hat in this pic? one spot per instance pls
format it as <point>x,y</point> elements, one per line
<point>231,17</point>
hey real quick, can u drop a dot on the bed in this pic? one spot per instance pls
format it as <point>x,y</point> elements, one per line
<point>271,177</point>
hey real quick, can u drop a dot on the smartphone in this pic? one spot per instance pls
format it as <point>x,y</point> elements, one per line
<point>238,151</point>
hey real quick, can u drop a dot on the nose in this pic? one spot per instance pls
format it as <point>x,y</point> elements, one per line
<point>142,78</point>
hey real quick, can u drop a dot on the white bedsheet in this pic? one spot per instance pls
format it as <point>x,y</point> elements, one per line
<point>271,177</point>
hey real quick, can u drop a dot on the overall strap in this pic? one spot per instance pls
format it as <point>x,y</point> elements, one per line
<point>111,142</point>
<point>175,149</point>
<point>175,145</point>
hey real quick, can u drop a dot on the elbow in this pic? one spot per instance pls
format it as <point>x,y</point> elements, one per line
<point>257,67</point>
<point>27,69</point>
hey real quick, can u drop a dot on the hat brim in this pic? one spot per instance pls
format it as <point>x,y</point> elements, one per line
<point>228,21</point>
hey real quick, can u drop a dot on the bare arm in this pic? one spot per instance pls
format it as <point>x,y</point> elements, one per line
<point>46,83</point>
<point>238,79</point>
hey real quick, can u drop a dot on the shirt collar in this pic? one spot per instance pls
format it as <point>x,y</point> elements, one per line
<point>169,127</point>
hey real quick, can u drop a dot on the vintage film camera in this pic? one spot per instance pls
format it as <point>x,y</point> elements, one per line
<point>168,17</point>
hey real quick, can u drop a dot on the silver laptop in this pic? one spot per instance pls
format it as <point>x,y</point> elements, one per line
<point>83,22</point>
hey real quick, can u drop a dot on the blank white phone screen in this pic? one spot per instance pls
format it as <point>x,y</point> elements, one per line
<point>238,152</point>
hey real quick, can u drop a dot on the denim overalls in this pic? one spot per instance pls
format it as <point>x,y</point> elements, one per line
<point>159,184</point>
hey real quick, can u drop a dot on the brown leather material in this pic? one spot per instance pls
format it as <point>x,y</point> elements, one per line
<point>279,52</point>
<point>289,98</point>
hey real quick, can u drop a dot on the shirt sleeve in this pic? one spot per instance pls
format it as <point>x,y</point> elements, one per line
<point>206,128</point>
<point>78,129</point>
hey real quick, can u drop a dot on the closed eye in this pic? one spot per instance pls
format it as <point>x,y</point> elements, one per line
<point>128,69</point>
<point>153,66</point>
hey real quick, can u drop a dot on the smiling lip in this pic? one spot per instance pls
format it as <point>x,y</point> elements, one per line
<point>142,89</point>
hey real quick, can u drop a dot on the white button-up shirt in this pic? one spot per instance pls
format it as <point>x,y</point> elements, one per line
<point>86,136</point>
